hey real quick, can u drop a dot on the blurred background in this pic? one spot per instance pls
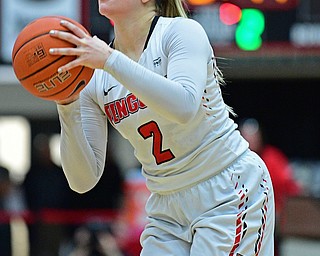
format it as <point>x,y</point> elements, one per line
<point>269,53</point>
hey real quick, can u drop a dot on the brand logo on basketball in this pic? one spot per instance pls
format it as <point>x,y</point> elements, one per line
<point>54,81</point>
<point>35,54</point>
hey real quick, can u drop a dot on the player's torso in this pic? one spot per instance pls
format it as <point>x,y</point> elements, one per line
<point>151,134</point>
<point>162,146</point>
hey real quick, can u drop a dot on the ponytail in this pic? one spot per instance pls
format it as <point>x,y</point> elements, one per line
<point>172,8</point>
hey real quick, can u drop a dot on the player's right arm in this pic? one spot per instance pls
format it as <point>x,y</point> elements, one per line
<point>83,141</point>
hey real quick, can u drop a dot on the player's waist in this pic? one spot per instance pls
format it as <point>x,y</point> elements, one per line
<point>201,166</point>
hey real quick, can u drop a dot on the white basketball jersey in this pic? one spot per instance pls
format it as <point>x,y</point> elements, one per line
<point>175,152</point>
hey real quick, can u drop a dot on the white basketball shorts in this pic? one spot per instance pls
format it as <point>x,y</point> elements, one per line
<point>231,214</point>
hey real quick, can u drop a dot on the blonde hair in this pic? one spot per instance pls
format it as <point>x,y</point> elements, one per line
<point>172,8</point>
<point>222,82</point>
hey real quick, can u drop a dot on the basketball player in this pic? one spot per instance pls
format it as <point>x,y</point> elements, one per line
<point>159,86</point>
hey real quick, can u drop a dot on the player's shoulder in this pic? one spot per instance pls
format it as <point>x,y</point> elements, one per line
<point>180,30</point>
<point>179,22</point>
<point>181,25</point>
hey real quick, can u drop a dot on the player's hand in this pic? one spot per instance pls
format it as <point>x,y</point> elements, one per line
<point>90,51</point>
<point>68,100</point>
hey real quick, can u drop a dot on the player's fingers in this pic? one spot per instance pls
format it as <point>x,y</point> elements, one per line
<point>70,65</point>
<point>69,37</point>
<point>65,51</point>
<point>73,28</point>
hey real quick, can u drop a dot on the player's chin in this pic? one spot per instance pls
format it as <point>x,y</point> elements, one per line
<point>104,7</point>
<point>110,8</point>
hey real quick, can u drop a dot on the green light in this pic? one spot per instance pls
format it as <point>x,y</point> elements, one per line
<point>248,40</point>
<point>250,29</point>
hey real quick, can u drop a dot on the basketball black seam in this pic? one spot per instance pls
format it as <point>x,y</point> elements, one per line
<point>39,70</point>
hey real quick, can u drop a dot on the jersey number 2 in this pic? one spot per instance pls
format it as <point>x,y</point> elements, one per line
<point>149,130</point>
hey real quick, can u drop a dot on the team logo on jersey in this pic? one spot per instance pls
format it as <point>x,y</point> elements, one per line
<point>123,108</point>
<point>157,62</point>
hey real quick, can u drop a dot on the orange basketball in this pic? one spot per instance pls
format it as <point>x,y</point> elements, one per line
<point>36,69</point>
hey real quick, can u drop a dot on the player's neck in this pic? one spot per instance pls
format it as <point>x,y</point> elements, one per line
<point>131,35</point>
